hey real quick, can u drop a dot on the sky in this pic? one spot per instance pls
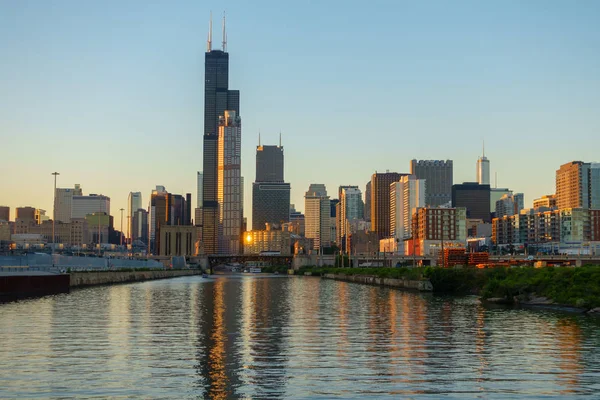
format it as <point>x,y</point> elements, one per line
<point>110,94</point>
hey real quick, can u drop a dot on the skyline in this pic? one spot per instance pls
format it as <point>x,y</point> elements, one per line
<point>142,107</point>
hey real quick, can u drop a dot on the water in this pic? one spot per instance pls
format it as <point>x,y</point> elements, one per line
<point>288,337</point>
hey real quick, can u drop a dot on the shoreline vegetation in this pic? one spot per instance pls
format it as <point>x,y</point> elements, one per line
<point>571,287</point>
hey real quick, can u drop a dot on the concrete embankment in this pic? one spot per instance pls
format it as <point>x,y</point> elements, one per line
<point>82,279</point>
<point>422,286</point>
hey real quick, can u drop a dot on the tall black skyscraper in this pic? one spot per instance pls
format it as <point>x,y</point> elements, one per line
<point>217,99</point>
<point>270,194</point>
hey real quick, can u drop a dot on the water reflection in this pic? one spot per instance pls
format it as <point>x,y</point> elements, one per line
<point>280,337</point>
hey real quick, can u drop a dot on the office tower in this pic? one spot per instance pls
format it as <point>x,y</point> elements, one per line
<point>475,198</point>
<point>139,226</point>
<point>198,210</point>
<point>229,184</point>
<point>548,201</point>
<point>134,203</point>
<point>368,202</point>
<point>217,99</point>
<point>25,214</point>
<point>483,169</point>
<point>438,175</point>
<point>317,216</point>
<point>63,202</point>
<point>578,185</point>
<point>270,194</point>
<point>496,194</point>
<point>199,181</point>
<point>406,196</point>
<point>380,202</point>
<point>333,207</point>
<point>160,213</point>
<point>351,209</point>
<point>93,203</point>
<point>509,205</point>
<point>4,213</point>
<point>269,163</point>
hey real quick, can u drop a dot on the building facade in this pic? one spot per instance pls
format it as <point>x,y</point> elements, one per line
<point>438,176</point>
<point>509,204</point>
<point>25,214</point>
<point>483,170</point>
<point>351,208</point>
<point>63,201</point>
<point>317,216</point>
<point>475,198</point>
<point>368,202</point>
<point>436,228</point>
<point>268,240</point>
<point>84,205</point>
<point>177,240</point>
<point>548,201</point>
<point>4,213</point>
<point>229,184</point>
<point>217,98</point>
<point>578,185</point>
<point>405,197</point>
<point>380,202</point>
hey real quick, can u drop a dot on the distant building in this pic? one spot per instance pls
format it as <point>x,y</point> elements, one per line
<point>548,201</point>
<point>496,194</point>
<point>578,185</point>
<point>40,216</point>
<point>63,201</point>
<point>483,170</point>
<point>380,202</point>
<point>474,197</point>
<point>134,203</point>
<point>4,230</point>
<point>139,226</point>
<point>297,224</point>
<point>405,197</point>
<point>509,205</point>
<point>317,209</point>
<point>84,205</point>
<point>438,176</point>
<point>368,202</point>
<point>434,228</point>
<point>351,208</point>
<point>333,207</point>
<point>4,213</point>
<point>74,233</point>
<point>363,242</point>
<point>25,214</point>
<point>229,185</point>
<point>198,209</point>
<point>177,240</point>
<point>100,227</point>
<point>268,240</point>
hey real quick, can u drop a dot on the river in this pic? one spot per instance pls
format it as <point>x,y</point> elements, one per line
<point>289,337</point>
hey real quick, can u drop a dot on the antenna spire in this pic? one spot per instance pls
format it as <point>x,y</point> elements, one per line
<point>209,41</point>
<point>259,138</point>
<point>279,138</point>
<point>224,34</point>
<point>483,148</point>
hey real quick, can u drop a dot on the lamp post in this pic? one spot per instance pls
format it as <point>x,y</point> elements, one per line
<point>54,211</point>
<point>121,209</point>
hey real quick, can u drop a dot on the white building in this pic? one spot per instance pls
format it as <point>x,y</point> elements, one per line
<point>229,183</point>
<point>317,220</point>
<point>63,201</point>
<point>85,205</point>
<point>405,197</point>
<point>483,169</point>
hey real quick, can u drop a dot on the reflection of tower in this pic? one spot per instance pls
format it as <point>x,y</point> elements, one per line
<point>483,169</point>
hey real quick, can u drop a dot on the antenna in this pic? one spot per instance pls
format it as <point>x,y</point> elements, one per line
<point>209,41</point>
<point>279,138</point>
<point>496,174</point>
<point>483,148</point>
<point>224,34</point>
<point>259,138</point>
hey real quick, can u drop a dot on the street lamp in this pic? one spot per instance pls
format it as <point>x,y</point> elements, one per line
<point>54,211</point>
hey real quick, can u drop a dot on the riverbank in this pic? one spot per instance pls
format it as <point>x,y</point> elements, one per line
<point>419,285</point>
<point>83,279</point>
<point>575,287</point>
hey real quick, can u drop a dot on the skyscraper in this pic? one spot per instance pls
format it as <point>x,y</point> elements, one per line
<point>578,185</point>
<point>160,213</point>
<point>475,198</point>
<point>217,99</point>
<point>85,205</point>
<point>229,184</point>
<point>367,211</point>
<point>134,203</point>
<point>198,210</point>
<point>438,177</point>
<point>406,196</point>
<point>270,194</point>
<point>380,202</point>
<point>483,169</point>
<point>351,209</point>
<point>4,213</point>
<point>317,216</point>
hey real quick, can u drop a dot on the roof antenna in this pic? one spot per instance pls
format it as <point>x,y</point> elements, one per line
<point>224,34</point>
<point>259,138</point>
<point>279,138</point>
<point>209,41</point>
<point>483,148</point>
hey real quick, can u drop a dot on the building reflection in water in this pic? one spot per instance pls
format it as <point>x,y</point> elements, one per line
<point>217,378</point>
<point>568,343</point>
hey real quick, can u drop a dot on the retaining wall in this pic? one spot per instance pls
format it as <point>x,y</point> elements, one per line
<point>82,279</point>
<point>422,286</point>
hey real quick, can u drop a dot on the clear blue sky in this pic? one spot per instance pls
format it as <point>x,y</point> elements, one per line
<point>110,93</point>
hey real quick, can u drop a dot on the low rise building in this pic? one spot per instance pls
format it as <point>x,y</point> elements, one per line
<point>437,228</point>
<point>178,240</point>
<point>269,240</point>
